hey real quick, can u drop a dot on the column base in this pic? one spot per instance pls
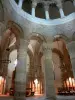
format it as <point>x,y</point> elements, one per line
<point>19,91</point>
<point>19,96</point>
<point>50,98</point>
<point>63,16</point>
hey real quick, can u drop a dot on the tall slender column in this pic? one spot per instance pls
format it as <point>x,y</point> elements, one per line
<point>59,5</point>
<point>47,11</point>
<point>34,4</point>
<point>49,76</point>
<point>61,12</point>
<point>20,79</point>
<point>74,2</point>
<point>20,3</point>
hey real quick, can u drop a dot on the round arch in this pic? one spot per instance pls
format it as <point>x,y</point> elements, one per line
<point>64,56</point>
<point>61,36</point>
<point>35,34</point>
<point>12,28</point>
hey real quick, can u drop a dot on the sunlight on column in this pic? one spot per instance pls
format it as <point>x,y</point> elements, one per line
<point>36,86</point>
<point>1,84</point>
<point>15,63</point>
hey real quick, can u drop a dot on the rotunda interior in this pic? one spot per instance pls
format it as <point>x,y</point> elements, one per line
<point>37,49</point>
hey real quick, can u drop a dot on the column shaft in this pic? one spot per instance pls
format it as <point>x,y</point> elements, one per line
<point>8,84</point>
<point>49,76</point>
<point>33,12</point>
<point>46,7</point>
<point>61,12</point>
<point>47,14</point>
<point>74,2</point>
<point>71,50</point>
<point>34,4</point>
<point>20,79</point>
<point>20,3</point>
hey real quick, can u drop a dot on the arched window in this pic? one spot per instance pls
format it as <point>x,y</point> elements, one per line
<point>53,11</point>
<point>40,11</point>
<point>68,7</point>
<point>27,6</point>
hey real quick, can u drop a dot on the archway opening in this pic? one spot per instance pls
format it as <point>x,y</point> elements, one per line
<point>9,46</point>
<point>64,78</point>
<point>35,77</point>
<point>11,57</point>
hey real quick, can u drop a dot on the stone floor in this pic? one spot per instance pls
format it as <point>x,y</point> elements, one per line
<point>40,98</point>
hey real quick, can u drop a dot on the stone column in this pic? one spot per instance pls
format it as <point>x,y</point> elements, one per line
<point>47,11</point>
<point>8,83</point>
<point>49,76</point>
<point>20,3</point>
<point>61,10</point>
<point>20,78</point>
<point>71,50</point>
<point>74,2</point>
<point>34,4</point>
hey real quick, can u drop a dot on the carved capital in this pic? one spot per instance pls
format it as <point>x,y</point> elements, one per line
<point>46,6</point>
<point>47,50</point>
<point>59,4</point>
<point>34,4</point>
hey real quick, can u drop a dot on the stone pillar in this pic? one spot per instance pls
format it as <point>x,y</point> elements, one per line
<point>47,11</point>
<point>20,78</point>
<point>49,76</point>
<point>61,10</point>
<point>8,83</point>
<point>5,58</point>
<point>20,3</point>
<point>71,50</point>
<point>74,2</point>
<point>34,4</point>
